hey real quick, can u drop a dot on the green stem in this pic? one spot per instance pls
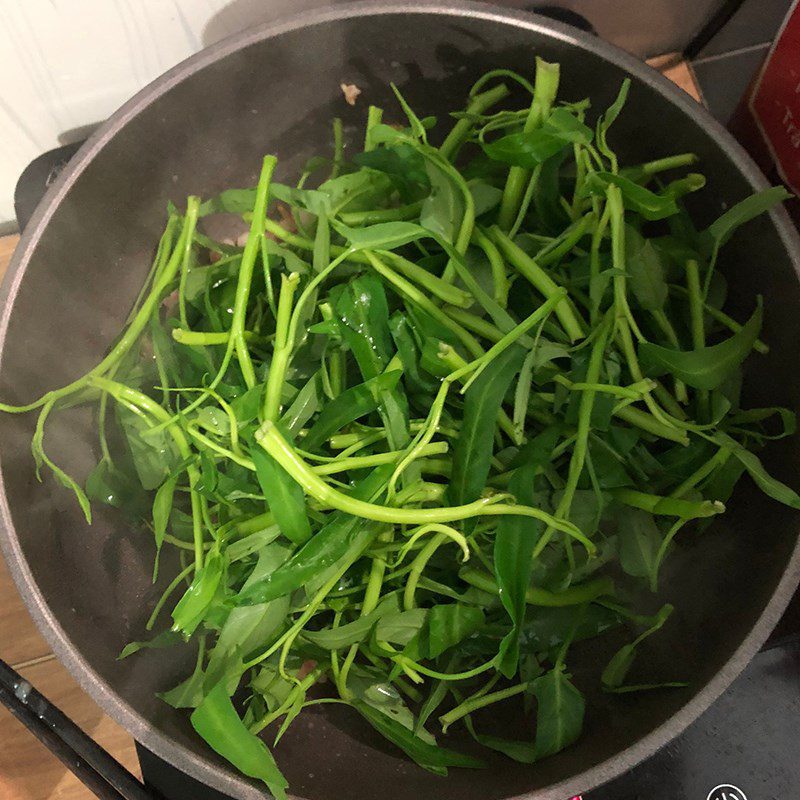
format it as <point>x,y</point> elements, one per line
<point>475,703</point>
<point>558,248</point>
<point>525,202</point>
<point>430,282</point>
<point>702,472</point>
<point>698,330</point>
<point>594,263</point>
<point>650,168</point>
<point>251,250</point>
<point>530,270</point>
<point>270,438</point>
<point>461,131</point>
<point>162,283</point>
<point>574,596</point>
<point>206,338</point>
<point>633,392</point>
<point>374,117</point>
<point>721,317</point>
<point>418,297</point>
<point>374,216</point>
<point>580,448</point>
<point>282,349</point>
<point>192,207</point>
<point>647,422</point>
<point>668,506</point>
<point>545,90</point>
<point>498,267</point>
<point>165,596</point>
<point>418,566</point>
<point>474,323</point>
<point>299,688</point>
<point>338,147</point>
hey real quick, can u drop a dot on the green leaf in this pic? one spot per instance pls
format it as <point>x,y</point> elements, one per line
<point>246,406</point>
<point>705,367</point>
<point>610,116</point>
<point>417,126</point>
<point>429,756</point>
<point>367,687</point>
<point>249,627</point>
<point>352,632</point>
<point>646,687</point>
<point>284,495</point>
<point>618,667</point>
<point>473,449</point>
<point>216,720</point>
<point>772,487</point>
<point>107,484</point>
<point>214,420</point>
<point>484,196</point>
<point>668,506</point>
<point>529,149</point>
<point>326,548</point>
<point>153,452</point>
<point>162,508</point>
<point>636,198</point>
<point>403,163</point>
<point>639,540</point>
<point>645,271</point>
<point>400,627</point>
<point>751,207</point>
<point>231,201</point>
<point>443,209</point>
<point>364,321</point>
<point>164,639</point>
<point>292,262</point>
<point>514,544</point>
<point>546,629</point>
<point>434,699</point>
<point>382,236</point>
<point>523,752</point>
<point>209,475</point>
<point>312,200</point>
<point>350,405</point>
<point>303,407</point>
<point>449,624</point>
<point>559,713</point>
<point>406,345</point>
<point>192,607</point>
<point>361,190</point>
<point>188,693</point>
<point>363,312</point>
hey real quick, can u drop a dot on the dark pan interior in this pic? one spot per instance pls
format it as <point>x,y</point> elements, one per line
<point>80,273</point>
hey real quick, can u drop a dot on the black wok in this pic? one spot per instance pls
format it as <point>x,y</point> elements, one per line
<point>203,127</point>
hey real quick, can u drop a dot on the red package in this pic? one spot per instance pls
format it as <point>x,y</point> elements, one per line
<point>775,101</point>
<point>767,121</point>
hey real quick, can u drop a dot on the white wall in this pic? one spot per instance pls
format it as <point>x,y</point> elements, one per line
<point>66,64</point>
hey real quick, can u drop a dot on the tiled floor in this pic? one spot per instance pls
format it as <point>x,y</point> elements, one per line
<point>27,770</point>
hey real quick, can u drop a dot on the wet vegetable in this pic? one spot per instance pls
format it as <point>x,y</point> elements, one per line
<point>430,428</point>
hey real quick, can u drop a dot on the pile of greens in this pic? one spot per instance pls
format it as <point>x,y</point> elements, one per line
<point>439,417</point>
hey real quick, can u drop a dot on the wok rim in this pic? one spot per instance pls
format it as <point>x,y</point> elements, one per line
<point>227,780</point>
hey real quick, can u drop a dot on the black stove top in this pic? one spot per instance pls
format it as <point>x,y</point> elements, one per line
<point>745,747</point>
